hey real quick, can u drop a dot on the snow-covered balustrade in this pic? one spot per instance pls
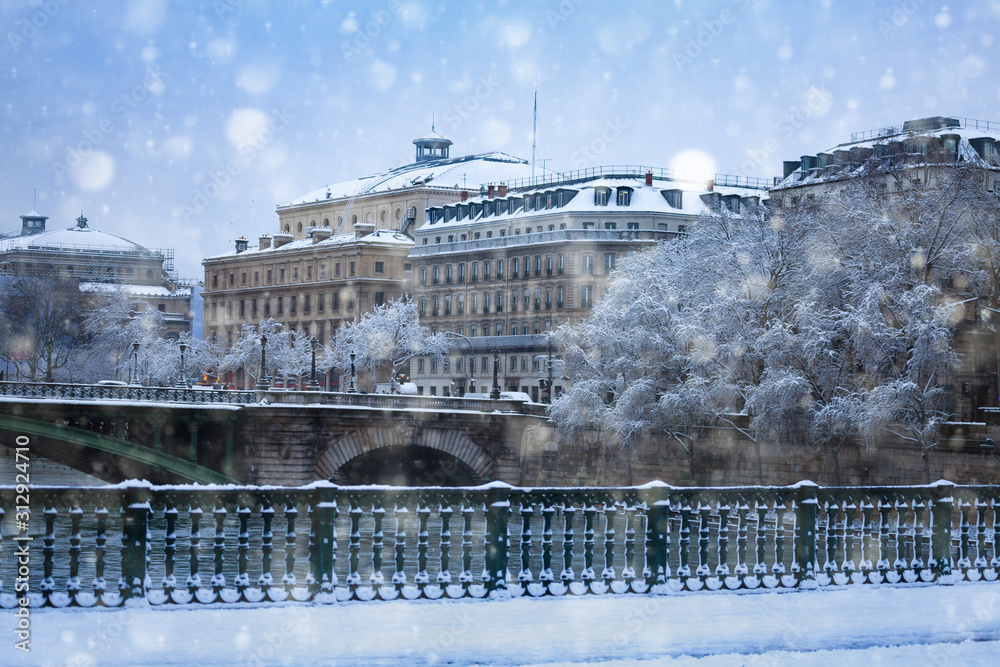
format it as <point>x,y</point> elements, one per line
<point>327,543</point>
<point>97,392</point>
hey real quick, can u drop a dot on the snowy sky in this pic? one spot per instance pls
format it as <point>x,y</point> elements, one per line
<point>183,124</point>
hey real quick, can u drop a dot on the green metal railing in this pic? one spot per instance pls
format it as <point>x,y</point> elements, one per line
<point>187,544</point>
<point>94,392</point>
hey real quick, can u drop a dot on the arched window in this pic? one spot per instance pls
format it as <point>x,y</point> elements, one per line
<point>326,222</point>
<point>298,228</point>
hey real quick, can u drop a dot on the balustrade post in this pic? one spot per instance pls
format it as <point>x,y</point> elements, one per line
<point>658,519</point>
<point>496,530</point>
<point>323,539</point>
<point>135,516</point>
<point>806,508</point>
<point>941,541</point>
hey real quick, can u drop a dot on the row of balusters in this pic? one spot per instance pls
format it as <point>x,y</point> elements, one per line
<point>851,537</point>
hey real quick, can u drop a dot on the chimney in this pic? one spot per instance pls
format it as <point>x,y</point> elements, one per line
<point>502,190</point>
<point>281,238</point>
<point>320,234</point>
<point>465,195</point>
<point>489,192</point>
<point>363,229</point>
<point>710,185</point>
<point>649,178</point>
<point>241,244</point>
<point>264,242</point>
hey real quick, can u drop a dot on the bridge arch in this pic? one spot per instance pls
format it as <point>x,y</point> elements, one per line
<point>77,447</point>
<point>345,448</point>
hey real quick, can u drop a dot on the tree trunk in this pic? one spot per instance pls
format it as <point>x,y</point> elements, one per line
<point>925,455</point>
<point>760,463</point>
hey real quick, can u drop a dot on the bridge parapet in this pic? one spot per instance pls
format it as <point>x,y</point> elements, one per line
<point>95,392</point>
<point>395,401</point>
<point>653,538</point>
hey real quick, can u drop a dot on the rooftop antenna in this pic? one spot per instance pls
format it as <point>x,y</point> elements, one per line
<point>534,129</point>
<point>34,200</point>
<point>432,121</point>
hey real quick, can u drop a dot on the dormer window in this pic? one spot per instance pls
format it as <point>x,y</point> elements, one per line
<point>601,196</point>
<point>675,198</point>
<point>624,196</point>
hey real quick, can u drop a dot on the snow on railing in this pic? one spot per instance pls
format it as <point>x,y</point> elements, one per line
<point>534,238</point>
<point>487,541</point>
<point>97,392</point>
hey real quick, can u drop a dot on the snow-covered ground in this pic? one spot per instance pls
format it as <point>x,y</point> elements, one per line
<point>913,625</point>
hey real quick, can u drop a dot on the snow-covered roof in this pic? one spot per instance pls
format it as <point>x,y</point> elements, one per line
<point>136,290</point>
<point>977,144</point>
<point>84,239</point>
<point>644,199</point>
<point>469,171</point>
<point>380,236</point>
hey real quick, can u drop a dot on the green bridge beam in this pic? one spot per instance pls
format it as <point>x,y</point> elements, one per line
<point>184,469</point>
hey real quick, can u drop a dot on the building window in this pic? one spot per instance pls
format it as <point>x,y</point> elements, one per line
<point>559,297</point>
<point>434,306</point>
<point>281,305</point>
<point>499,269</point>
<point>513,363</point>
<point>447,274</point>
<point>434,367</point>
<point>472,304</point>
<point>423,307</point>
<point>420,365</point>
<point>321,306</point>
<point>423,275</point>
<point>624,196</point>
<point>548,298</point>
<point>336,269</point>
<point>253,308</point>
<point>561,264</point>
<point>486,302</point>
<point>499,301</point>
<point>486,271</point>
<point>499,328</point>
<point>611,225</point>
<point>537,327</point>
<point>461,305</point>
<point>335,302</point>
<point>281,275</point>
<point>436,270</point>
<point>256,277</point>
<point>587,264</point>
<point>306,303</point>
<point>632,226</point>
<point>601,196</point>
<point>587,296</point>
<point>232,278</point>
<point>513,301</point>
<point>513,269</point>
<point>548,265</point>
<point>309,272</point>
<point>538,298</point>
<point>609,262</point>
<point>379,267</point>
<point>295,273</point>
<point>461,273</point>
<point>524,363</point>
<point>215,281</point>
<point>475,272</point>
<point>242,310</point>
<point>538,265</point>
<point>352,268</point>
<point>291,305</point>
<point>447,305</point>
<point>407,267</point>
<point>267,307</point>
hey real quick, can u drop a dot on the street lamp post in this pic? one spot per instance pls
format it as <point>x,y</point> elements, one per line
<point>262,383</point>
<point>472,358</point>
<point>135,363</point>
<point>313,384</point>
<point>183,382</point>
<point>495,391</point>
<point>351,389</point>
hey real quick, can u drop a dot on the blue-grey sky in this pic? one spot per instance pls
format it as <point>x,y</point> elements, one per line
<point>183,124</point>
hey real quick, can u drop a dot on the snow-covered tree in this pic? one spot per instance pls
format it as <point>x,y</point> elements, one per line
<point>114,322</point>
<point>384,339</point>
<point>289,353</point>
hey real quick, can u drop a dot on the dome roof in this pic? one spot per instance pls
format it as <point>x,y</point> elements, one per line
<point>74,238</point>
<point>432,139</point>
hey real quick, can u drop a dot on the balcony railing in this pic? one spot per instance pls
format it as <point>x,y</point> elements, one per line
<point>556,236</point>
<point>325,543</point>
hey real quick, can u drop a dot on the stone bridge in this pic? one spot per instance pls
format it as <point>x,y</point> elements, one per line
<point>287,438</point>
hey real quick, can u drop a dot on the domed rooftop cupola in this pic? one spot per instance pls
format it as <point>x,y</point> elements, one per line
<point>432,146</point>
<point>32,223</point>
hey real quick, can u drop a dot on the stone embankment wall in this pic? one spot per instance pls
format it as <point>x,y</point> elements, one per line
<point>723,457</point>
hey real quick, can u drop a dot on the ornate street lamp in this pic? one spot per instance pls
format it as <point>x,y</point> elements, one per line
<point>313,384</point>
<point>135,363</point>
<point>262,383</point>
<point>351,389</point>
<point>495,391</point>
<point>183,382</point>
